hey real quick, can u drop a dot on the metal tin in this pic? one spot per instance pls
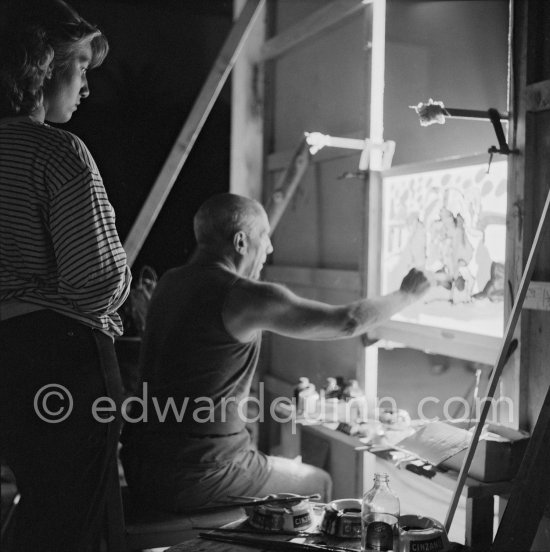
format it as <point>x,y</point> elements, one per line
<point>422,534</point>
<point>292,516</point>
<point>342,518</point>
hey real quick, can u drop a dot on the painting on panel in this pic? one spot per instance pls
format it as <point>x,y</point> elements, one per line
<point>451,222</point>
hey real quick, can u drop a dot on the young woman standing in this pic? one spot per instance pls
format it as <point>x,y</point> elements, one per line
<point>63,275</point>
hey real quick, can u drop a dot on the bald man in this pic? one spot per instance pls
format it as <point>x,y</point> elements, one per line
<point>199,355</point>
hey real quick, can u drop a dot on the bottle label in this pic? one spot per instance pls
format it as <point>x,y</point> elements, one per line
<point>379,536</point>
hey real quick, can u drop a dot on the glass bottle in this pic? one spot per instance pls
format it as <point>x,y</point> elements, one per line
<point>379,517</point>
<point>302,386</point>
<point>306,397</point>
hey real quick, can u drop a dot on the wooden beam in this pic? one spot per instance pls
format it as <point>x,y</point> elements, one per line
<point>375,38</point>
<point>321,20</point>
<point>515,379</point>
<point>287,184</point>
<point>247,121</point>
<point>191,128</point>
<point>454,161</point>
<point>437,340</point>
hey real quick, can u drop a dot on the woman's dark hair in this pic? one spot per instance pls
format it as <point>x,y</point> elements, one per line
<point>39,36</point>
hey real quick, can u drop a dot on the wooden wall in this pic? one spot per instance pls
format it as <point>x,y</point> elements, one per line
<point>532,93</point>
<point>531,133</point>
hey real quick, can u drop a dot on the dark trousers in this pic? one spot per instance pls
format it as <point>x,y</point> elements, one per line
<point>61,467</point>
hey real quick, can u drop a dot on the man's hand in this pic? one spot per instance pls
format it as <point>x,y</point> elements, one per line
<point>415,284</point>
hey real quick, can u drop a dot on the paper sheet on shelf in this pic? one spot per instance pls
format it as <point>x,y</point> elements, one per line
<point>435,442</point>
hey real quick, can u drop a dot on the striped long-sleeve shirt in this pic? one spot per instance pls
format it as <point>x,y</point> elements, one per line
<point>59,248</point>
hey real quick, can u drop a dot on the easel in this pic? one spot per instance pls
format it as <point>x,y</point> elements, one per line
<point>524,511</point>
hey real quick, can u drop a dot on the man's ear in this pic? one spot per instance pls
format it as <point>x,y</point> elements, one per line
<point>240,242</point>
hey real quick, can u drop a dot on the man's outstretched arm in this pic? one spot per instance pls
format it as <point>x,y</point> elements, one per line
<point>252,306</point>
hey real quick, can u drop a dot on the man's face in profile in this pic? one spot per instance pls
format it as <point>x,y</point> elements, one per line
<point>259,245</point>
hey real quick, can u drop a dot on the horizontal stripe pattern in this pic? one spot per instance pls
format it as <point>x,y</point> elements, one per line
<point>59,247</point>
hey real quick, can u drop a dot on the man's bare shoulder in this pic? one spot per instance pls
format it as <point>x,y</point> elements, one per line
<point>258,290</point>
<point>250,305</point>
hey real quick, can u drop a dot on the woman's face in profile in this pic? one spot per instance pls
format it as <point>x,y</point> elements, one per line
<point>62,94</point>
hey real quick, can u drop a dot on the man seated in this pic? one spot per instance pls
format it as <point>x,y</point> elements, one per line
<point>199,354</point>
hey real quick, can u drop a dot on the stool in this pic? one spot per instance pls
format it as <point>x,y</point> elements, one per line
<point>132,527</point>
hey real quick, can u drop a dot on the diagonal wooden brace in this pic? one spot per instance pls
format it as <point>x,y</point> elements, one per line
<point>287,184</point>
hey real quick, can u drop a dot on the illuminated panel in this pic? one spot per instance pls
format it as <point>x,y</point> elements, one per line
<point>450,221</point>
